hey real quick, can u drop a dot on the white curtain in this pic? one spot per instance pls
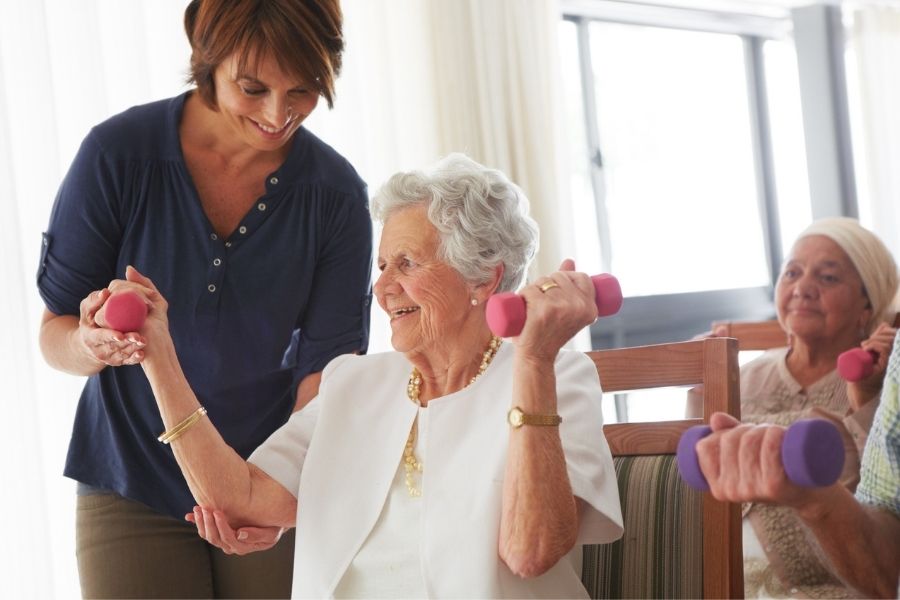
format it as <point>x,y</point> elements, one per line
<point>875,39</point>
<point>25,502</point>
<point>64,66</point>
<point>425,78</point>
<point>420,79</point>
<point>498,80</point>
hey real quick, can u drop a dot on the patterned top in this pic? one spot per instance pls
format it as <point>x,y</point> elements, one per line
<point>779,560</point>
<point>770,394</point>
<point>880,476</point>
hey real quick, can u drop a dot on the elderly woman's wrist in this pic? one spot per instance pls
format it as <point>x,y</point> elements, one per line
<point>160,356</point>
<point>816,505</point>
<point>859,396</point>
<point>535,359</point>
<point>536,383</point>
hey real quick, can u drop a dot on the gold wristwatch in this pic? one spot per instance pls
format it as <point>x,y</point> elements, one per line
<point>517,418</point>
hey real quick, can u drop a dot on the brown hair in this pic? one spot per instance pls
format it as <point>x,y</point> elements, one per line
<point>304,37</point>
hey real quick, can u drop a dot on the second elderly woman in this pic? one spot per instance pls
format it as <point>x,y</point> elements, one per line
<point>458,465</point>
<point>835,292</point>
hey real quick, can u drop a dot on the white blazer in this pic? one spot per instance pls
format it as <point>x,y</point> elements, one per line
<point>339,456</point>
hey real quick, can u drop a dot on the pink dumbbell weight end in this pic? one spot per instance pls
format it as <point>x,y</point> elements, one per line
<point>812,453</point>
<point>856,364</point>
<point>505,312</point>
<point>124,311</point>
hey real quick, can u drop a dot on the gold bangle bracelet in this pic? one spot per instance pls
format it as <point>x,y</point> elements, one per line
<point>179,433</point>
<point>168,436</point>
<point>175,434</point>
<point>171,435</point>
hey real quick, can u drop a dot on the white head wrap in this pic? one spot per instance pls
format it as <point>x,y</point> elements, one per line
<point>872,259</point>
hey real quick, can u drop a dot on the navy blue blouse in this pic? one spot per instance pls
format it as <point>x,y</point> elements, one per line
<point>250,315</point>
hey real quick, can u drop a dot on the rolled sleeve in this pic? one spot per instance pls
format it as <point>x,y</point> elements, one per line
<point>80,247</point>
<point>282,455</point>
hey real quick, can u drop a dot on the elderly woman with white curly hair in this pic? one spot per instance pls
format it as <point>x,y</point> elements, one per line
<point>405,477</point>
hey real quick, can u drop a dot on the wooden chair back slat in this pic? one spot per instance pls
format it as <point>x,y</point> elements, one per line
<point>713,364</point>
<point>762,335</point>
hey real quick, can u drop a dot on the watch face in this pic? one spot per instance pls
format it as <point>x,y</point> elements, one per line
<point>516,417</point>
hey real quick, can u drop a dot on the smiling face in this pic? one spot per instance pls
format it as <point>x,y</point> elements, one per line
<point>263,108</point>
<point>820,296</point>
<point>427,301</point>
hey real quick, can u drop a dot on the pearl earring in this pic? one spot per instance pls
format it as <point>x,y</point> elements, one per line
<point>474,302</point>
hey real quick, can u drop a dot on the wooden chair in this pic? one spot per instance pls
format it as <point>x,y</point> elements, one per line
<point>678,542</point>
<point>761,335</point>
<point>754,335</point>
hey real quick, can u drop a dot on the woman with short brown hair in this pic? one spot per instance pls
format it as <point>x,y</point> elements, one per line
<point>260,235</point>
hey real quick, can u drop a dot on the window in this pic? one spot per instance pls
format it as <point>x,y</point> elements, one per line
<point>677,158</point>
<point>788,146</point>
<point>686,139</point>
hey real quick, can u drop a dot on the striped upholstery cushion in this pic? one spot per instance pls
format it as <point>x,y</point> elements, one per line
<point>661,552</point>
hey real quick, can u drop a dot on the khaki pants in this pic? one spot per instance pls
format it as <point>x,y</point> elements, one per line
<point>127,550</point>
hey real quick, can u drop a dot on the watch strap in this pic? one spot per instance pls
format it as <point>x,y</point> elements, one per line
<point>545,420</point>
<point>517,418</point>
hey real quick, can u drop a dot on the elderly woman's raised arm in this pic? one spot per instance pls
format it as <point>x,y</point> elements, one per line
<point>217,476</point>
<point>539,522</point>
<point>862,392</point>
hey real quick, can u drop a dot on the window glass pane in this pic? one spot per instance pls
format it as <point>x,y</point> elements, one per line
<point>608,404</point>
<point>674,128</point>
<point>788,145</point>
<point>855,86</point>
<point>587,244</point>
<point>660,404</point>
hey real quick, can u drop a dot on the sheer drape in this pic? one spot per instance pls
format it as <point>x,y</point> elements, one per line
<point>420,79</point>
<point>64,66</point>
<point>497,66</point>
<point>24,499</point>
<point>425,78</point>
<point>876,41</point>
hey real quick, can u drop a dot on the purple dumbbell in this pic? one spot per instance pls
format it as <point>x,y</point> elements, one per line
<point>812,453</point>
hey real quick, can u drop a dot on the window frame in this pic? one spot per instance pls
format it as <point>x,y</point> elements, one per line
<point>671,317</point>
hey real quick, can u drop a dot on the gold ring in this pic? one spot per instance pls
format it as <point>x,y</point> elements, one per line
<point>548,286</point>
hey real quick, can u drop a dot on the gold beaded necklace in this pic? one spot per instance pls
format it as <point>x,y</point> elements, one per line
<point>412,464</point>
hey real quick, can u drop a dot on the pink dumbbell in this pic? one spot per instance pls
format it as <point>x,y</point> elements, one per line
<point>505,312</point>
<point>124,312</point>
<point>812,453</point>
<point>856,364</point>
